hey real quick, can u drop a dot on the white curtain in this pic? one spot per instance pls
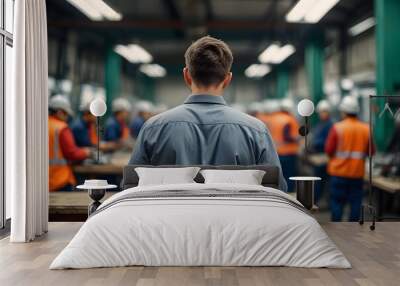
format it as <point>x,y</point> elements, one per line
<point>26,124</point>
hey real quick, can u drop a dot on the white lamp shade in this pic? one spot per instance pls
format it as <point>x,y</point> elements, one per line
<point>98,107</point>
<point>305,107</point>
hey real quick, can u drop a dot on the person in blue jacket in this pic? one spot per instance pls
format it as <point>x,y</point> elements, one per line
<point>320,134</point>
<point>116,129</point>
<point>144,112</point>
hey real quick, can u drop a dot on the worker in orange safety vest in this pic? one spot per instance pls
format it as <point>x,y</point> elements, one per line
<point>62,147</point>
<point>347,146</point>
<point>284,131</point>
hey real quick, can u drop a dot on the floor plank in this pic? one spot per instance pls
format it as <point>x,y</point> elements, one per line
<point>375,257</point>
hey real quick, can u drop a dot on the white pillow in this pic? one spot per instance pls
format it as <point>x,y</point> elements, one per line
<point>166,176</point>
<point>248,177</point>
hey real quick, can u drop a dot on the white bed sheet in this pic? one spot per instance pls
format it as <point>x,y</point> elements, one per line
<point>199,232</point>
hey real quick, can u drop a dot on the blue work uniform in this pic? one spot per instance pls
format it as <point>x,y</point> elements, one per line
<point>320,135</point>
<point>136,125</point>
<point>80,130</point>
<point>113,130</point>
<point>205,131</point>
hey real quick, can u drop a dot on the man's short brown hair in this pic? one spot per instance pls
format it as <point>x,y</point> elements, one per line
<point>209,60</point>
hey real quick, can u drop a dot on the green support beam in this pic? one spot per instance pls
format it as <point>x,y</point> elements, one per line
<point>387,15</point>
<point>145,87</point>
<point>314,61</point>
<point>112,76</point>
<point>282,81</point>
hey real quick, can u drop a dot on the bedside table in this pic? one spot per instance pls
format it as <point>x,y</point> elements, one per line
<point>96,190</point>
<point>305,191</point>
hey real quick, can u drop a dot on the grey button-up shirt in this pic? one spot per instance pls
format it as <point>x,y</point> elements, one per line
<point>205,131</point>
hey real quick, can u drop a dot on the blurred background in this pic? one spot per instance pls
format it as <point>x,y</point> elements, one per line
<point>331,56</point>
<point>284,51</point>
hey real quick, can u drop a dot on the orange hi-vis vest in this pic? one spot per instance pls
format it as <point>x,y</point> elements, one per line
<point>276,125</point>
<point>125,132</point>
<point>265,118</point>
<point>93,134</point>
<point>351,150</point>
<point>60,173</point>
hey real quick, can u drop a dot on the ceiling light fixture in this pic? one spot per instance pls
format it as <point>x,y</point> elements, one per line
<point>133,53</point>
<point>153,70</point>
<point>96,10</point>
<point>275,54</point>
<point>310,11</point>
<point>362,26</point>
<point>257,70</point>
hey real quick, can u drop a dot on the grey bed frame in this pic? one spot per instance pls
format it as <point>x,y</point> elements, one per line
<point>271,178</point>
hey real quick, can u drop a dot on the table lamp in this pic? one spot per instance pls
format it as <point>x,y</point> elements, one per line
<point>98,108</point>
<point>305,185</point>
<point>305,108</point>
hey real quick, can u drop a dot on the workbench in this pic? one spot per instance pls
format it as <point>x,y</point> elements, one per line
<point>70,206</point>
<point>384,184</point>
<point>114,166</point>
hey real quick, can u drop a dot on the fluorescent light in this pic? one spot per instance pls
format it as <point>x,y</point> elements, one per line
<point>297,13</point>
<point>310,11</point>
<point>86,8</point>
<point>257,70</point>
<point>275,54</point>
<point>319,10</point>
<point>284,53</point>
<point>105,10</point>
<point>153,70</point>
<point>362,26</point>
<point>133,53</point>
<point>269,54</point>
<point>96,10</point>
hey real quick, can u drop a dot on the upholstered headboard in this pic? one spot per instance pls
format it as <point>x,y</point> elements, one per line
<point>271,177</point>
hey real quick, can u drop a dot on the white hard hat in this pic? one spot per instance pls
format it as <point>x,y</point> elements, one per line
<point>349,105</point>
<point>271,106</point>
<point>287,104</point>
<point>60,102</point>
<point>144,106</point>
<point>255,107</point>
<point>323,105</point>
<point>85,102</point>
<point>121,104</point>
<point>159,108</point>
<point>239,106</point>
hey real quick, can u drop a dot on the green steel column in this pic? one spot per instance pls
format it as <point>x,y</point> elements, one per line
<point>282,81</point>
<point>112,76</point>
<point>145,87</point>
<point>314,61</point>
<point>387,15</point>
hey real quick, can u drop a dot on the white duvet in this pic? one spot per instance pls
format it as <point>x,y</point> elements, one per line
<point>200,231</point>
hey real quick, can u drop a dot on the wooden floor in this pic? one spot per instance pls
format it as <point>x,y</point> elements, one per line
<point>375,257</point>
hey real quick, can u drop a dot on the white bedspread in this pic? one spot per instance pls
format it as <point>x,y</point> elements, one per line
<point>200,231</point>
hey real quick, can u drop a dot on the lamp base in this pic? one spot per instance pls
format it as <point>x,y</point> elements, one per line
<point>96,195</point>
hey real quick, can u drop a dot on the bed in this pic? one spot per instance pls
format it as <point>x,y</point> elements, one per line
<point>197,224</point>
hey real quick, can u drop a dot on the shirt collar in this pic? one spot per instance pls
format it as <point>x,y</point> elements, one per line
<point>205,98</point>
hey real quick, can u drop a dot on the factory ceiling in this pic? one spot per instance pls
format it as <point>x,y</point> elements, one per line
<point>166,27</point>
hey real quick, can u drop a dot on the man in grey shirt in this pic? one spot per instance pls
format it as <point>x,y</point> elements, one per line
<point>204,130</point>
